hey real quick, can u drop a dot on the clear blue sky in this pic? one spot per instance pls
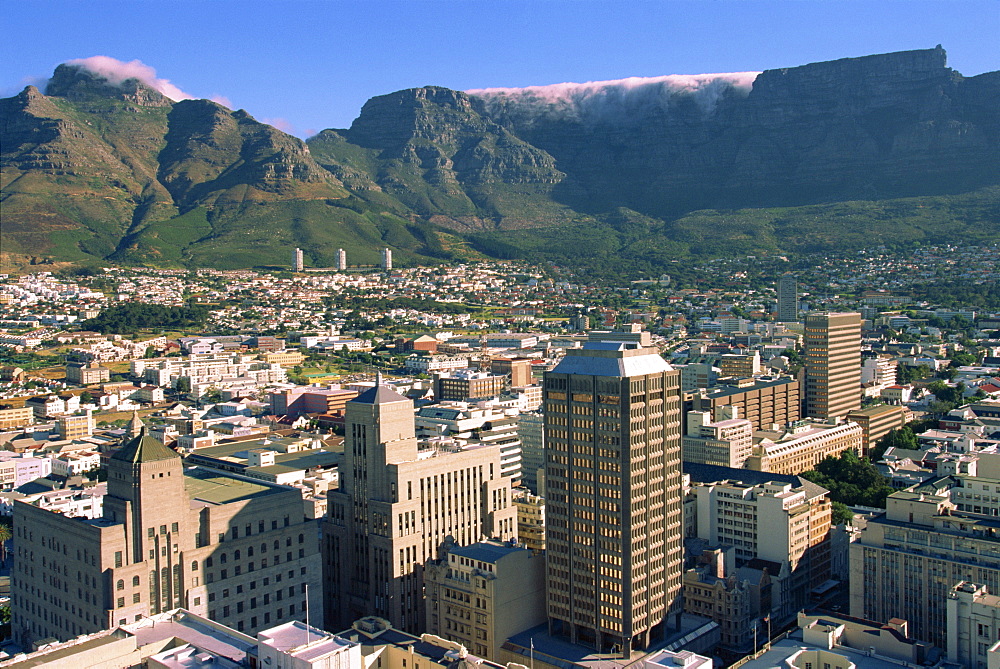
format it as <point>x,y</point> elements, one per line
<point>313,63</point>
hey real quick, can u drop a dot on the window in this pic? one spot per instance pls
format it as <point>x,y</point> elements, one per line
<point>121,602</point>
<point>197,601</point>
<point>120,585</point>
<point>118,558</point>
<point>135,598</point>
<point>135,581</point>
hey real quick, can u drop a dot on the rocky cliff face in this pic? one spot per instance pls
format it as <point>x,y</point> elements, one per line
<point>433,150</point>
<point>859,128</point>
<point>95,169</point>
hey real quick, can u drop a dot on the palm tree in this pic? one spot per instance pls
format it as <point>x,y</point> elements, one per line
<point>5,535</point>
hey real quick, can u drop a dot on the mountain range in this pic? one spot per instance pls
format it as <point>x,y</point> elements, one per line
<point>893,149</point>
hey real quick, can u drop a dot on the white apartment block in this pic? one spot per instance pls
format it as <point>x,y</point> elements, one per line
<point>18,469</point>
<point>973,626</point>
<point>423,364</point>
<point>773,521</point>
<point>75,463</point>
<point>726,440</point>
<point>468,424</point>
<point>204,371</point>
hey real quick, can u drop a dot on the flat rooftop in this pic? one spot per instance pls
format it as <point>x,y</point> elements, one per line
<point>204,485</point>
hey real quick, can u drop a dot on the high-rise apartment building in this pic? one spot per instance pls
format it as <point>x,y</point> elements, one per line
<point>788,299</point>
<point>613,479</point>
<point>386,258</point>
<point>397,504</point>
<point>236,550</point>
<point>833,364</point>
<point>298,260</point>
<point>341,259</point>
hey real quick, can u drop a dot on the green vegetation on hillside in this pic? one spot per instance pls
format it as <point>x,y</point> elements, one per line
<point>132,317</point>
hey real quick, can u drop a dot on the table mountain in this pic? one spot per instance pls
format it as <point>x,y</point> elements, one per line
<point>892,148</point>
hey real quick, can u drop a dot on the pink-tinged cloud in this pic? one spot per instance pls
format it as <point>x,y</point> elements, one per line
<point>594,100</point>
<point>222,100</point>
<point>116,71</point>
<point>281,124</point>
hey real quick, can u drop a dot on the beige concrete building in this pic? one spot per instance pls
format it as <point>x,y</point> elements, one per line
<point>802,446</point>
<point>530,519</point>
<point>234,550</point>
<point>613,483</point>
<point>833,364</point>
<point>283,358</point>
<point>740,365</point>
<point>12,418</point>
<point>397,504</point>
<point>721,439</point>
<point>765,402</point>
<point>907,562</point>
<point>75,427</point>
<point>778,522</point>
<point>87,373</point>
<point>467,385</point>
<point>973,626</point>
<point>876,422</point>
<point>479,595</point>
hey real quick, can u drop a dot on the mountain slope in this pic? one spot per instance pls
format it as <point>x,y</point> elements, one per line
<point>895,148</point>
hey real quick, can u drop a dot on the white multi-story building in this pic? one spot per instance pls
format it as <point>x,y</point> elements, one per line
<point>17,469</point>
<point>803,445</point>
<point>423,364</point>
<point>973,626</point>
<point>472,424</point>
<point>204,371</point>
<point>75,463</point>
<point>726,441</point>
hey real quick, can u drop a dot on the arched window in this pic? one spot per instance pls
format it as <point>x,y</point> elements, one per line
<point>250,551</point>
<point>288,541</point>
<point>194,566</point>
<point>135,581</point>
<point>120,585</point>
<point>222,558</point>
<point>276,544</point>
<point>236,555</point>
<point>263,548</point>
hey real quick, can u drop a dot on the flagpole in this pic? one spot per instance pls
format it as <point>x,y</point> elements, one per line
<point>532,653</point>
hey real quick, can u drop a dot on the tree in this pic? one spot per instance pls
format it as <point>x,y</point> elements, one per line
<point>86,397</point>
<point>5,536</point>
<point>902,437</point>
<point>851,480</point>
<point>841,514</point>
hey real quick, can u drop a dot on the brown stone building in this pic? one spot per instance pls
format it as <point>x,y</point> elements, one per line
<point>234,550</point>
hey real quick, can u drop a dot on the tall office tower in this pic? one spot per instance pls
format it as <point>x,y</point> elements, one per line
<point>298,261</point>
<point>397,503</point>
<point>832,364</point>
<point>788,299</point>
<point>235,550</point>
<point>341,259</point>
<point>386,259</point>
<point>613,478</point>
